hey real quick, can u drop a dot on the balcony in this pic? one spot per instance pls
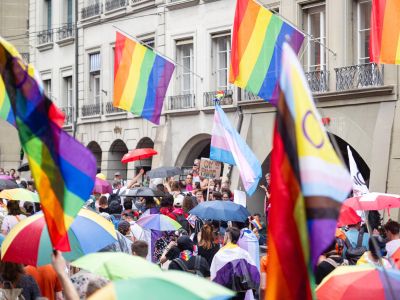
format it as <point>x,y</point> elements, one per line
<point>318,81</point>
<point>45,39</point>
<point>68,112</point>
<point>66,34</point>
<point>210,98</point>
<point>92,10</point>
<point>358,76</point>
<point>176,4</point>
<point>111,109</point>
<point>115,4</point>
<point>178,102</point>
<point>90,110</point>
<point>247,96</point>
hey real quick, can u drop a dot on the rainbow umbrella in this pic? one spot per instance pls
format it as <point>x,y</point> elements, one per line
<point>175,285</point>
<point>158,222</point>
<point>360,282</point>
<point>29,242</point>
<point>19,194</point>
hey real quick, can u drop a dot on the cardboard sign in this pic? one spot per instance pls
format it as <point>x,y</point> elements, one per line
<point>239,197</point>
<point>209,168</point>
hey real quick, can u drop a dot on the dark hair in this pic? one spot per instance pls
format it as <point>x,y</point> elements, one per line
<point>103,200</point>
<point>228,192</point>
<point>187,204</point>
<point>234,234</point>
<point>128,204</point>
<point>10,271</point>
<point>124,227</point>
<point>185,243</point>
<point>392,226</point>
<point>175,186</point>
<point>94,285</point>
<point>29,208</point>
<point>13,208</point>
<point>160,187</point>
<point>23,184</point>
<point>116,184</point>
<point>381,246</point>
<point>217,195</point>
<point>140,248</point>
<point>149,202</point>
<point>207,237</point>
<point>172,253</point>
<point>167,201</point>
<point>114,208</point>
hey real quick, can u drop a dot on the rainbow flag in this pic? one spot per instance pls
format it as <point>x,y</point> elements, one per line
<point>63,169</point>
<point>257,41</point>
<point>6,112</point>
<point>384,43</point>
<point>308,183</point>
<point>141,79</point>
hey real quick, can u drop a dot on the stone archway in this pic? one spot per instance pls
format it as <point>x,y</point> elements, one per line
<point>95,148</point>
<point>197,147</point>
<point>117,150</point>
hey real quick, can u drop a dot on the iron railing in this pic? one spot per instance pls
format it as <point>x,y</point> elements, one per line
<point>68,112</point>
<point>133,2</point>
<point>181,102</point>
<point>111,109</point>
<point>92,10</point>
<point>115,4</point>
<point>318,81</point>
<point>91,110</point>
<point>25,56</point>
<point>210,98</point>
<point>358,76</point>
<point>65,32</point>
<point>45,36</point>
<point>249,96</point>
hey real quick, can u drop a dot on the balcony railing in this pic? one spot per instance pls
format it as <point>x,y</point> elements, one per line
<point>91,110</point>
<point>210,98</point>
<point>358,76</point>
<point>318,81</point>
<point>68,112</point>
<point>111,109</point>
<point>45,37</point>
<point>92,10</point>
<point>65,32</point>
<point>25,56</point>
<point>249,96</point>
<point>133,2</point>
<point>115,4</point>
<point>181,102</point>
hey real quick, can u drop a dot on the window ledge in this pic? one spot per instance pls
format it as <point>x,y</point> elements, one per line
<point>142,4</point>
<point>355,93</point>
<point>211,109</point>
<point>46,46</point>
<point>115,12</point>
<point>183,112</point>
<point>90,119</point>
<point>116,115</point>
<point>91,19</point>
<point>66,41</point>
<point>176,4</point>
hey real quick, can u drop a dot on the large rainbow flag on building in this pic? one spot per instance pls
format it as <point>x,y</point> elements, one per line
<point>257,41</point>
<point>229,147</point>
<point>62,168</point>
<point>308,183</point>
<point>384,46</point>
<point>141,79</point>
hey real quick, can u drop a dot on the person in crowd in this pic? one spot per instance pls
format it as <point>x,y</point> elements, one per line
<point>47,280</point>
<point>118,177</point>
<point>175,189</point>
<point>13,173</point>
<point>187,204</point>
<point>23,184</point>
<point>226,195</point>
<point>2,171</point>
<point>117,186</point>
<point>160,244</point>
<point>103,204</point>
<point>196,170</point>
<point>140,248</point>
<point>125,229</point>
<point>234,268</point>
<point>352,235</point>
<point>259,228</point>
<point>199,196</point>
<point>206,246</point>
<point>128,205</point>
<point>115,209</point>
<point>29,208</point>
<point>31,186</point>
<point>216,195</point>
<point>267,189</point>
<point>249,241</point>
<point>94,285</point>
<point>376,253</point>
<point>330,260</point>
<point>189,183</point>
<point>170,253</point>
<point>13,217</point>
<point>188,261</point>
<point>178,214</point>
<point>167,203</point>
<point>13,276</point>
<point>150,206</point>
<point>392,230</point>
<point>59,265</point>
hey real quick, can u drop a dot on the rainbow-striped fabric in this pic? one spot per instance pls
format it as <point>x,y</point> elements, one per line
<point>385,32</point>
<point>5,105</point>
<point>308,184</point>
<point>141,79</point>
<point>62,168</point>
<point>257,41</point>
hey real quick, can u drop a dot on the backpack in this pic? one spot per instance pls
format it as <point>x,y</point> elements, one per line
<point>114,197</point>
<point>183,221</point>
<point>354,254</point>
<point>182,265</point>
<point>8,292</point>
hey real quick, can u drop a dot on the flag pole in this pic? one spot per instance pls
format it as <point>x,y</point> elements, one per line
<point>159,53</point>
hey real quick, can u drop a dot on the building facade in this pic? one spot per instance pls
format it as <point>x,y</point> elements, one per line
<point>75,52</point>
<point>13,27</point>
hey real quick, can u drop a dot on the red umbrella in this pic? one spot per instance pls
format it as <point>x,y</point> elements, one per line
<point>348,216</point>
<point>373,201</point>
<point>138,154</point>
<point>102,186</point>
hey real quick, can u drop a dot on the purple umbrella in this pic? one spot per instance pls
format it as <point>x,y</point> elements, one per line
<point>6,177</point>
<point>102,187</point>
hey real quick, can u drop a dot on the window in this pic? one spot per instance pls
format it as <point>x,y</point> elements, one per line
<point>149,42</point>
<point>221,51</point>
<point>184,49</point>
<point>47,88</point>
<point>67,91</point>
<point>47,14</point>
<point>94,80</point>
<point>314,25</point>
<point>363,30</point>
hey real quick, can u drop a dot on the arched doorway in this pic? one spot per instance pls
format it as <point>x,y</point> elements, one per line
<point>97,152</point>
<point>117,150</point>
<point>145,163</point>
<point>197,147</point>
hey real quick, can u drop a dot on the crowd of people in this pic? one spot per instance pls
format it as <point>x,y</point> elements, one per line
<point>227,253</point>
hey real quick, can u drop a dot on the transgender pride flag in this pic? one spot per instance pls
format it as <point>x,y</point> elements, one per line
<point>229,147</point>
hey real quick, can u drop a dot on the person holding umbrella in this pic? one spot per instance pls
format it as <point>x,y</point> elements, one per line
<point>13,218</point>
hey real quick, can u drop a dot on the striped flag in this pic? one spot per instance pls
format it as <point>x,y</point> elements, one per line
<point>384,45</point>
<point>62,168</point>
<point>257,41</point>
<point>359,186</point>
<point>229,147</point>
<point>141,79</point>
<point>308,183</point>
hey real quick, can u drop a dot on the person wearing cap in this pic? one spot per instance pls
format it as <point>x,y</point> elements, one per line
<point>118,177</point>
<point>188,261</point>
